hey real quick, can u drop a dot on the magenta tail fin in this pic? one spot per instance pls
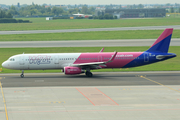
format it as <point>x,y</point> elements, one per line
<point>162,43</point>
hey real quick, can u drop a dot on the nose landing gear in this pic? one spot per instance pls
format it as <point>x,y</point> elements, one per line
<point>22,74</point>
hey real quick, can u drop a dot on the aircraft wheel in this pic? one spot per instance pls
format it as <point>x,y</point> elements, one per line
<point>21,75</point>
<point>89,74</point>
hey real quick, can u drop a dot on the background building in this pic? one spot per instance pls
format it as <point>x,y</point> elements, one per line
<point>133,13</point>
<point>100,11</point>
<point>137,13</point>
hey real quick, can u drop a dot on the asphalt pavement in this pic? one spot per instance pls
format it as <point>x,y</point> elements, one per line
<point>106,96</point>
<point>177,27</point>
<point>84,43</point>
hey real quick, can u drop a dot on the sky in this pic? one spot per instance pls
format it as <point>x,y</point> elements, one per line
<point>89,2</point>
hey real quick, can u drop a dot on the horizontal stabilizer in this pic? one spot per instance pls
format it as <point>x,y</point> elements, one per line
<point>159,57</point>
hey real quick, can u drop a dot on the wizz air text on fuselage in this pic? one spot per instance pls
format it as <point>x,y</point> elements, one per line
<point>40,59</point>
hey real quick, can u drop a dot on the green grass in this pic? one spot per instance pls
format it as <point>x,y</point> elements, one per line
<point>168,65</point>
<point>42,24</point>
<point>101,35</point>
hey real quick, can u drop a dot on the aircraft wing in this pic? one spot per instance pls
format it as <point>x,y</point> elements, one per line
<point>95,65</point>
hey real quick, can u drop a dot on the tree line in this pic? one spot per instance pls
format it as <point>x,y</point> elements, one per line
<point>6,17</point>
<point>3,14</point>
<point>42,10</point>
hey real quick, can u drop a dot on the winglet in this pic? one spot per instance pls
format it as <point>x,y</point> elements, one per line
<point>101,50</point>
<point>112,58</point>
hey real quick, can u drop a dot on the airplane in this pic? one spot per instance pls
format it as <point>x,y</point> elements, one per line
<point>79,15</point>
<point>77,63</point>
<point>82,15</point>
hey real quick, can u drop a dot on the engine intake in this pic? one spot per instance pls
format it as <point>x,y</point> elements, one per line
<point>72,70</point>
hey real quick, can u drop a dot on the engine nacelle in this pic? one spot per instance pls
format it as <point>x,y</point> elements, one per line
<point>72,70</point>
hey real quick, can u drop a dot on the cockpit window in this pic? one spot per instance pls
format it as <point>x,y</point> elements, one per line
<point>11,59</point>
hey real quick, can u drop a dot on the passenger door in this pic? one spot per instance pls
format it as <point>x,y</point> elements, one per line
<point>146,57</point>
<point>56,61</point>
<point>21,60</point>
<point>99,58</point>
<point>23,65</point>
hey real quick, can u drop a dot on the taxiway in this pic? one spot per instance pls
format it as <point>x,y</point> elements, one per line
<point>99,79</point>
<point>91,29</point>
<point>117,95</point>
<point>84,43</point>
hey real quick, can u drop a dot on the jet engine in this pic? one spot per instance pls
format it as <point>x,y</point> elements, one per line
<point>72,70</point>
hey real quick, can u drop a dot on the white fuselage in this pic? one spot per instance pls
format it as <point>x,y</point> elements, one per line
<point>41,61</point>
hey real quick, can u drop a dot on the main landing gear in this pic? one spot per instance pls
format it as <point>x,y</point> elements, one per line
<point>89,74</point>
<point>22,74</point>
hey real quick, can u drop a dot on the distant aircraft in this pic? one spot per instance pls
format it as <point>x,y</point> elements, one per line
<point>77,63</point>
<point>82,15</point>
<point>79,15</point>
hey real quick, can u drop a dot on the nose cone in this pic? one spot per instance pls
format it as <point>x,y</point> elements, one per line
<point>4,64</point>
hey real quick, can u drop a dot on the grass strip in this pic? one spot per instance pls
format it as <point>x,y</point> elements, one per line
<point>42,24</point>
<point>168,65</point>
<point>100,35</point>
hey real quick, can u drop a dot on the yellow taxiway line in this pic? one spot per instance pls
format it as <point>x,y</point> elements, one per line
<point>4,101</point>
<point>159,83</point>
